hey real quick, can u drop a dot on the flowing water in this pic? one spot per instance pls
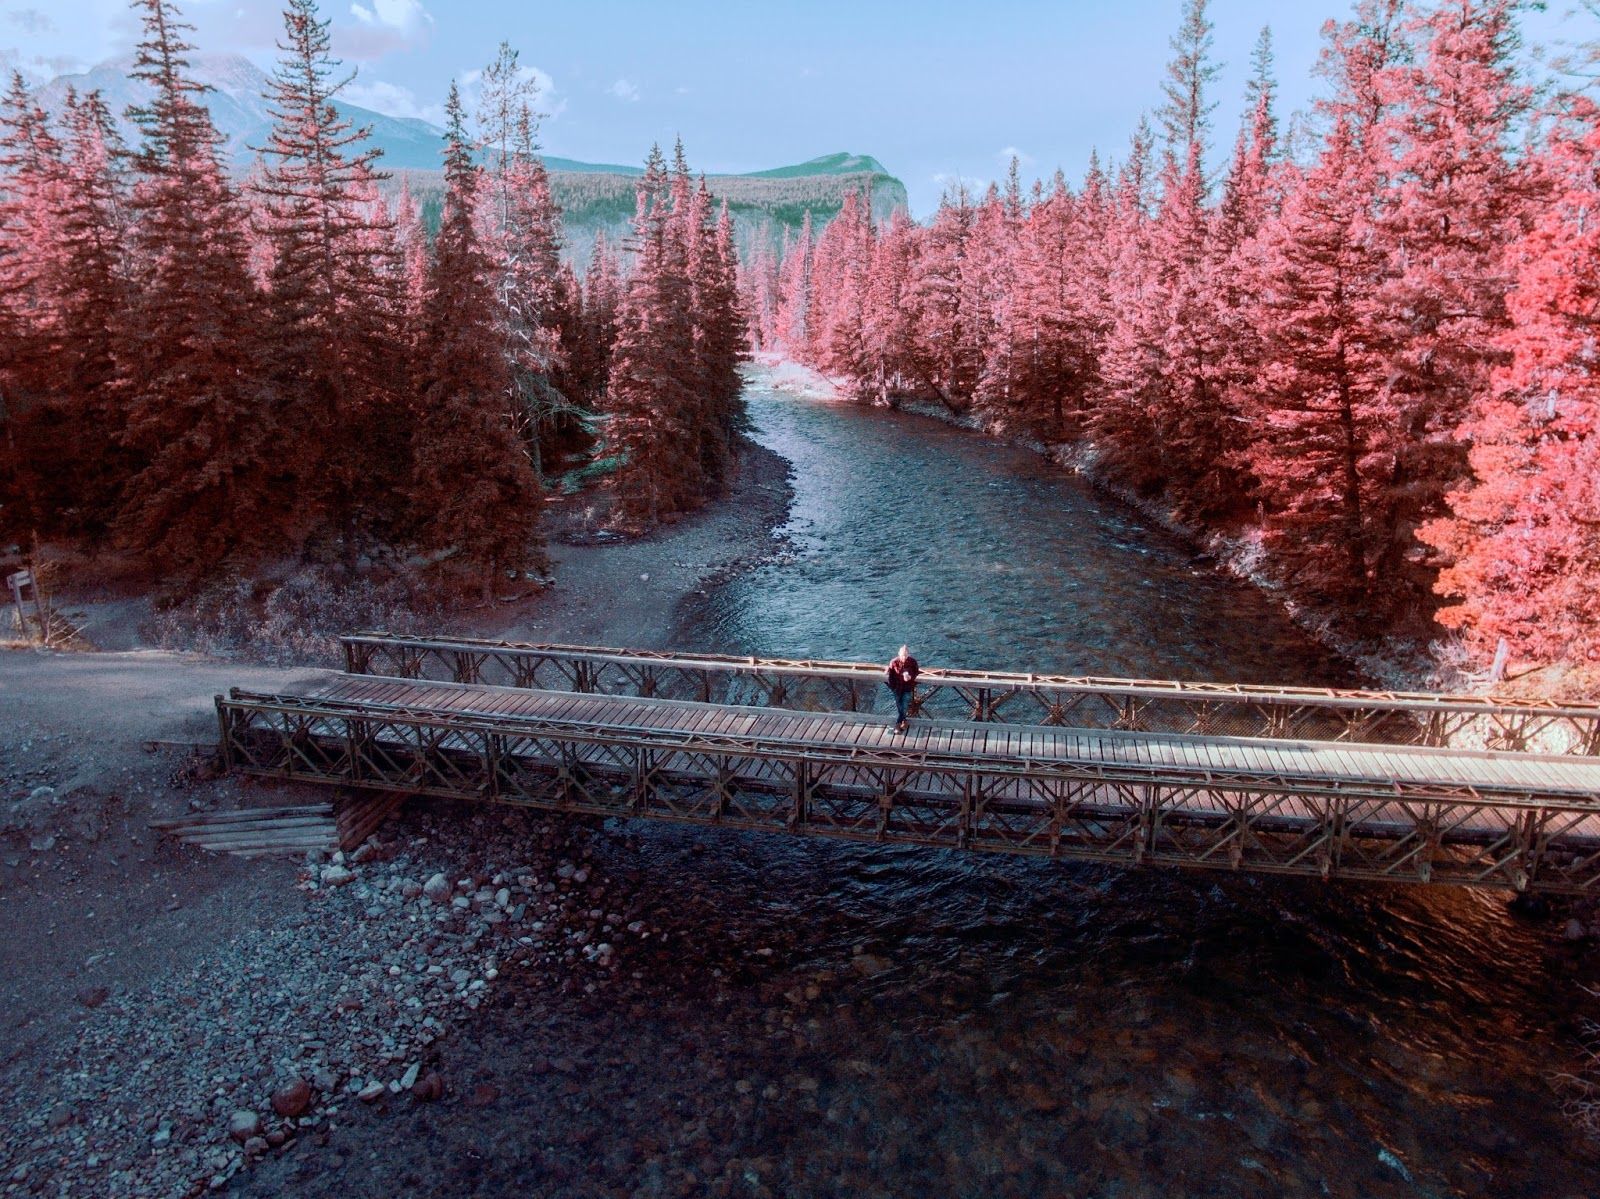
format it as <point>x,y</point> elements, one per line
<point>794,1017</point>
<point>992,1025</point>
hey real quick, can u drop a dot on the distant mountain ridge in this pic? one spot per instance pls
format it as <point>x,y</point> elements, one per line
<point>828,164</point>
<point>595,197</point>
<point>239,110</point>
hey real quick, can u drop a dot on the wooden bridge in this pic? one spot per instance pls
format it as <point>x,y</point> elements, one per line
<point>1393,786</point>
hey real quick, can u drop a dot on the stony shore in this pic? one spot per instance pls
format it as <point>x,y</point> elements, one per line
<point>175,1019</point>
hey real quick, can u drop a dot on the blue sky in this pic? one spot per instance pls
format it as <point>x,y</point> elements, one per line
<point>935,89</point>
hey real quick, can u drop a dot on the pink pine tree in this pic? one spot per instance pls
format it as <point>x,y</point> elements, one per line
<point>200,415</point>
<point>1523,537</point>
<point>474,491</point>
<point>334,301</point>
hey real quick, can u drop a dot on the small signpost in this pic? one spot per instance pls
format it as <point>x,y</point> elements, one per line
<point>24,588</point>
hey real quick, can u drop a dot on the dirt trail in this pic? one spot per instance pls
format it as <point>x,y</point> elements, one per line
<point>103,926</point>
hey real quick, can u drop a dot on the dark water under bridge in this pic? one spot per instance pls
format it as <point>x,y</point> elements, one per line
<point>1405,787</point>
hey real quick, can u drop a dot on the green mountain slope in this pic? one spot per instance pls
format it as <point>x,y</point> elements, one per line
<point>766,205</point>
<point>828,164</point>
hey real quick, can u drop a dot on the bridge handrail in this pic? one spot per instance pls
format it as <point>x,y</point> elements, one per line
<point>1406,701</point>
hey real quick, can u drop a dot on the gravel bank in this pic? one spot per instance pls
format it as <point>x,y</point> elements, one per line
<point>177,1021</point>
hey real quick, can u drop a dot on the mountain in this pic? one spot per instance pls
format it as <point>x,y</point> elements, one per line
<point>239,108</point>
<point>572,166</point>
<point>595,197</point>
<point>765,208</point>
<point>828,164</point>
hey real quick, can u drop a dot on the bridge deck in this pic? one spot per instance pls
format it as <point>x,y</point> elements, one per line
<point>1367,767</point>
<point>1329,809</point>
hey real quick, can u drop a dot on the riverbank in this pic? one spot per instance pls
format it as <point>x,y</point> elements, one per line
<point>602,589</point>
<point>158,999</point>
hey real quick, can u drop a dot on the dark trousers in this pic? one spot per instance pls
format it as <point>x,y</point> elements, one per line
<point>902,700</point>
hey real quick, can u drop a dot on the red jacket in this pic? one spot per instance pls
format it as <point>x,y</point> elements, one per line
<point>902,676</point>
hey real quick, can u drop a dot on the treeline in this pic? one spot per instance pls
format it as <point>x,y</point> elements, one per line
<point>214,374</point>
<point>1377,364</point>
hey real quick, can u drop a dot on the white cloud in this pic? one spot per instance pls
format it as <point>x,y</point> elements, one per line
<point>381,26</point>
<point>624,90</point>
<point>31,21</point>
<point>1006,153</point>
<point>391,100</point>
<point>402,16</point>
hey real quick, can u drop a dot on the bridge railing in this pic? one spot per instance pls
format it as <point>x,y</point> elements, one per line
<point>1125,813</point>
<point>1141,705</point>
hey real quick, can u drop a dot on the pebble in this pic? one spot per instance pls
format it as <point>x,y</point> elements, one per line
<point>288,1013</point>
<point>292,1099</point>
<point>243,1125</point>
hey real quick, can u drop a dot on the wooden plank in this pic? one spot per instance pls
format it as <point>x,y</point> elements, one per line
<point>327,838</point>
<point>234,828</point>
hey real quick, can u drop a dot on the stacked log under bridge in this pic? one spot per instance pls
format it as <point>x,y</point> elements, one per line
<point>1406,787</point>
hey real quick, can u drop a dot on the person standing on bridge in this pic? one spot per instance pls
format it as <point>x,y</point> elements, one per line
<point>901,678</point>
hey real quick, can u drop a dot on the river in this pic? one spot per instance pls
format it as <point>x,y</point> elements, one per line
<point>1035,1028</point>
<point>795,1017</point>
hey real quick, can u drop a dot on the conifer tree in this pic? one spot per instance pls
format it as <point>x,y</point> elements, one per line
<point>1458,198</point>
<point>334,299</point>
<point>474,491</point>
<point>535,304</point>
<point>1523,537</point>
<point>86,463</point>
<point>652,405</point>
<point>32,191</point>
<point>792,327</point>
<point>889,321</point>
<point>200,415</point>
<point>594,332</point>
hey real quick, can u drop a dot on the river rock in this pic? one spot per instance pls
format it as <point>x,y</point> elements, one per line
<point>292,1099</point>
<point>337,876</point>
<point>437,888</point>
<point>255,1146</point>
<point>429,1087</point>
<point>370,1092</point>
<point>243,1125</point>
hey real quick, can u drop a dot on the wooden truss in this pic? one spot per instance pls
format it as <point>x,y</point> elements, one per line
<point>1511,838</point>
